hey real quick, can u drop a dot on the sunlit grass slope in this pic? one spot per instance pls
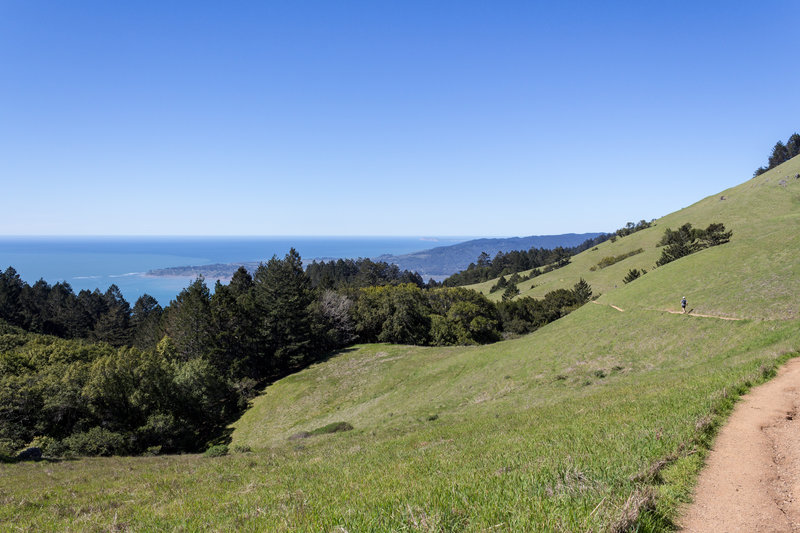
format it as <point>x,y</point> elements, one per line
<point>572,428</point>
<point>546,432</point>
<point>756,275</point>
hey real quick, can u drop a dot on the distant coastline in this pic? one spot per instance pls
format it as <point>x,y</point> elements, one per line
<point>432,263</point>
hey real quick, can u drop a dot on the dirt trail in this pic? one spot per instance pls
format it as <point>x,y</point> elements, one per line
<point>751,481</point>
<point>611,306</point>
<point>692,313</point>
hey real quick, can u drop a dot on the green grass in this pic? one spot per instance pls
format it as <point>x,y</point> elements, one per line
<point>756,275</point>
<point>553,431</point>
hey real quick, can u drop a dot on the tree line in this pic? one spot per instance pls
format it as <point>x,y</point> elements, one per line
<point>360,272</point>
<point>781,153</point>
<point>147,379</point>
<point>507,263</point>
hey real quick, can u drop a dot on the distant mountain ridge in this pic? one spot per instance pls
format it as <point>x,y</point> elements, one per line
<point>436,263</point>
<point>444,261</point>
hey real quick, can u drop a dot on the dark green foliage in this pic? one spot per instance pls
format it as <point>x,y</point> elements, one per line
<point>630,228</point>
<point>524,315</point>
<point>282,300</point>
<point>335,427</point>
<point>583,292</point>
<point>96,441</point>
<point>92,399</point>
<point>406,314</point>
<point>397,314</point>
<point>687,240</point>
<point>235,322</point>
<point>510,292</point>
<point>57,310</point>
<point>501,284</point>
<point>146,322</point>
<point>793,145</point>
<point>781,153</point>
<point>166,381</point>
<point>505,263</point>
<point>218,450</point>
<point>714,235</point>
<point>333,320</point>
<point>462,316</point>
<point>633,274</point>
<point>358,273</point>
<point>189,322</point>
<point>610,260</point>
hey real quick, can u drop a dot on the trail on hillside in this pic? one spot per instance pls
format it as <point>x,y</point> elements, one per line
<point>673,312</point>
<point>610,305</point>
<point>692,313</point>
<point>751,481</point>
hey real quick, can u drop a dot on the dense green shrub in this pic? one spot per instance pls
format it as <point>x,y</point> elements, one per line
<point>633,274</point>
<point>217,450</point>
<point>334,427</point>
<point>96,441</point>
<point>610,260</point>
<point>687,240</point>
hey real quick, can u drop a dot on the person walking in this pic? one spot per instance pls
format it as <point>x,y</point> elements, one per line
<point>683,304</point>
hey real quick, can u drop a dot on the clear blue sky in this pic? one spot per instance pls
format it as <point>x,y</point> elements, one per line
<point>383,117</point>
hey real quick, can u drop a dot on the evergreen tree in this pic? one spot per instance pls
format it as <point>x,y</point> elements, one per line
<point>113,325</point>
<point>780,154</point>
<point>11,286</point>
<point>583,292</point>
<point>282,299</point>
<point>233,311</point>
<point>633,274</point>
<point>510,292</point>
<point>793,145</point>
<point>501,284</point>
<point>146,322</point>
<point>189,323</point>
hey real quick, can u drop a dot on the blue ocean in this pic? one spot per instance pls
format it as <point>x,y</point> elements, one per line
<point>98,262</point>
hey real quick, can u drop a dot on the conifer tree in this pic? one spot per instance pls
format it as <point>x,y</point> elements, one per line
<point>282,300</point>
<point>189,323</point>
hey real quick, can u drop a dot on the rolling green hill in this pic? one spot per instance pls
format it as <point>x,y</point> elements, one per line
<point>597,421</point>
<point>754,276</point>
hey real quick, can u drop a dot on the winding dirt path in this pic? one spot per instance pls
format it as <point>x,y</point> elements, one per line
<point>692,313</point>
<point>751,481</point>
<point>673,312</point>
<point>610,305</point>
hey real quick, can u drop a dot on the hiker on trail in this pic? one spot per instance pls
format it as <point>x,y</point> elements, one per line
<point>683,304</point>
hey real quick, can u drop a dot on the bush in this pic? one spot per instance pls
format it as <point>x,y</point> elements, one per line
<point>633,274</point>
<point>96,441</point>
<point>50,447</point>
<point>687,240</point>
<point>217,450</point>
<point>7,451</point>
<point>610,260</point>
<point>335,427</point>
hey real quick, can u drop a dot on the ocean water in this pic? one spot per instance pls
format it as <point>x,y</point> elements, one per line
<point>98,262</point>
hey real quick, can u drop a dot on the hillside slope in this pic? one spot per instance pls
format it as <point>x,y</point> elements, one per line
<point>598,421</point>
<point>755,275</point>
<point>603,392</point>
<point>443,261</point>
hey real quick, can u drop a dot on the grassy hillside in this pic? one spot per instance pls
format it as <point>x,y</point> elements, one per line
<point>755,275</point>
<point>576,427</point>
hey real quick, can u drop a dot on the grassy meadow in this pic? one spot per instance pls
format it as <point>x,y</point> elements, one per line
<point>756,275</point>
<point>596,422</point>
